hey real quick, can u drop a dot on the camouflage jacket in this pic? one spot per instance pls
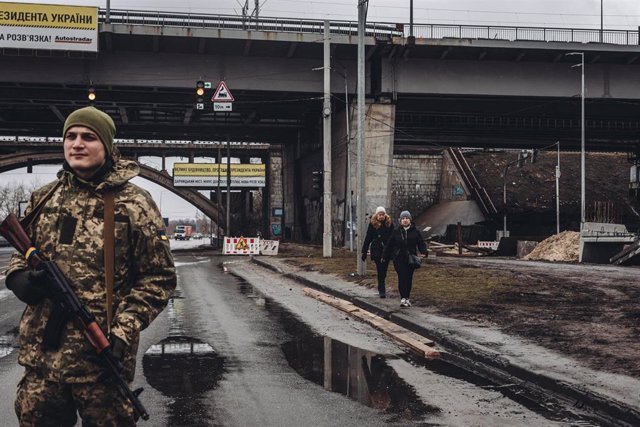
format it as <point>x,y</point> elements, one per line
<point>69,231</point>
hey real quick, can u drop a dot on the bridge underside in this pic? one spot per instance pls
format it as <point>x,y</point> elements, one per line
<point>292,117</point>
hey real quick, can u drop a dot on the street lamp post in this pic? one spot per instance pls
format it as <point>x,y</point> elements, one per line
<point>582,141</point>
<point>504,200</point>
<point>601,20</point>
<point>558,191</point>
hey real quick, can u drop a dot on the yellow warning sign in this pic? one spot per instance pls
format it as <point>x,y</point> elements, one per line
<point>242,244</point>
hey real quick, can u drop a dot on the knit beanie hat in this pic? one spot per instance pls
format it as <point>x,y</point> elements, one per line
<point>96,120</point>
<point>405,214</point>
<point>380,209</point>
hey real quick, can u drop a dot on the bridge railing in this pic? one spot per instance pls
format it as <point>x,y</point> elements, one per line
<point>13,139</point>
<point>566,35</point>
<point>190,20</point>
<point>429,31</point>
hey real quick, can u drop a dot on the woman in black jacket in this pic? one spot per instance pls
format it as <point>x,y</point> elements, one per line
<point>378,232</point>
<point>404,240</point>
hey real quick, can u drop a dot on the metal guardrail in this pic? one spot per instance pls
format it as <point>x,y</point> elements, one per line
<point>232,22</point>
<point>380,29</point>
<point>563,35</point>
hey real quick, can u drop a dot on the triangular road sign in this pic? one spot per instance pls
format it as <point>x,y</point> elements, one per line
<point>222,93</point>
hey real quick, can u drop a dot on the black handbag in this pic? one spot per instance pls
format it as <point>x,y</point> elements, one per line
<point>414,261</point>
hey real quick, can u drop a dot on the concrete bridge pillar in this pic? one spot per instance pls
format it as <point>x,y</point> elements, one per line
<point>378,148</point>
<point>274,193</point>
<point>379,125</point>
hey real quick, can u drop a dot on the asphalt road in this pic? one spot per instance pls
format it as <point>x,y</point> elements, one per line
<point>231,351</point>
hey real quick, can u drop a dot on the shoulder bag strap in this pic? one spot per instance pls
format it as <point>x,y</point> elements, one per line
<point>109,250</point>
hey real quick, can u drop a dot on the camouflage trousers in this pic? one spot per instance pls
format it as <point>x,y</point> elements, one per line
<point>46,403</point>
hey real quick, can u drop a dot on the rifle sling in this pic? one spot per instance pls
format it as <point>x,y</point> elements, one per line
<point>109,251</point>
<point>28,219</point>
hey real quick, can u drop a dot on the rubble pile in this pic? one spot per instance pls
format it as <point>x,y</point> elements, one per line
<point>559,247</point>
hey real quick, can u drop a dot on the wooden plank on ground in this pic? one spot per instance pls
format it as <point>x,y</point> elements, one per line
<point>416,343</point>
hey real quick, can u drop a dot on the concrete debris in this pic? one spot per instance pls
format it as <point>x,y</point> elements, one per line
<point>559,247</point>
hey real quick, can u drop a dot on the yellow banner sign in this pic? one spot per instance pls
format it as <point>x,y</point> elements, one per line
<point>48,16</point>
<point>211,170</point>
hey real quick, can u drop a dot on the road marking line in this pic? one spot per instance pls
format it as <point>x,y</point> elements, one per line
<point>417,343</point>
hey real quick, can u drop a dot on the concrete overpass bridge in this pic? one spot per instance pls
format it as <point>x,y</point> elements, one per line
<point>453,86</point>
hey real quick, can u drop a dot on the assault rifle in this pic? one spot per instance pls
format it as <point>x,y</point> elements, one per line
<point>65,297</point>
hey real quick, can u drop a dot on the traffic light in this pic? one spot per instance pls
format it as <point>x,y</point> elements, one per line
<point>317,181</point>
<point>91,94</point>
<point>199,91</point>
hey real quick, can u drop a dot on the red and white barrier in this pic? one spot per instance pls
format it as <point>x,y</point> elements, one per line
<point>488,244</point>
<point>241,246</point>
<point>269,247</point>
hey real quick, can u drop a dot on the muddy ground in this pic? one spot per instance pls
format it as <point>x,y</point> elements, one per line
<point>589,312</point>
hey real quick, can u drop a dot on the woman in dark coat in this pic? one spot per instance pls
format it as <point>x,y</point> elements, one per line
<point>404,240</point>
<point>378,232</point>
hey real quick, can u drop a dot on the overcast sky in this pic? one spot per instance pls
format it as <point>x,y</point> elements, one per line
<point>618,14</point>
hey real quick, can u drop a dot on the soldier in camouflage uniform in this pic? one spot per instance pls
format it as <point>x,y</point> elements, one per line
<point>69,230</point>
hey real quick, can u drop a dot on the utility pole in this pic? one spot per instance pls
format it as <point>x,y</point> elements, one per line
<point>218,197</point>
<point>360,211</point>
<point>558,191</point>
<point>228,228</point>
<point>327,235</point>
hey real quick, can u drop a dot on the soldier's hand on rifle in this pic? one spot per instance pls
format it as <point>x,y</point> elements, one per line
<point>28,285</point>
<point>118,347</point>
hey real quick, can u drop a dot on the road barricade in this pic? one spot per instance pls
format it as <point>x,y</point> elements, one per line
<point>488,244</point>
<point>269,247</point>
<point>241,246</point>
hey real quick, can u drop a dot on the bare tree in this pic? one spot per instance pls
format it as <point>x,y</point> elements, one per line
<point>12,194</point>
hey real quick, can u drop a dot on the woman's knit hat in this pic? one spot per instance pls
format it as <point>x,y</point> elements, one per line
<point>99,122</point>
<point>405,214</point>
<point>380,209</point>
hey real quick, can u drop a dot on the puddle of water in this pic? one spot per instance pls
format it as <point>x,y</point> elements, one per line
<point>359,374</point>
<point>183,368</point>
<point>356,373</point>
<point>367,378</point>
